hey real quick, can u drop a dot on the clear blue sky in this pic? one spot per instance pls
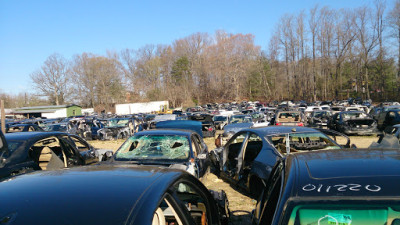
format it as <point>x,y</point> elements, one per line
<point>31,30</point>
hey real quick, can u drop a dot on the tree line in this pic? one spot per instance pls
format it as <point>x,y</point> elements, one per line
<point>315,54</point>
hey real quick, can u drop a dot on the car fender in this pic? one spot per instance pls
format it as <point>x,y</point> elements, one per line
<point>260,170</point>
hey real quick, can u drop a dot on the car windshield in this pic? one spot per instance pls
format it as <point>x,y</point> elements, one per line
<point>304,141</point>
<point>324,214</point>
<point>117,122</point>
<point>240,119</point>
<point>220,118</point>
<point>160,147</point>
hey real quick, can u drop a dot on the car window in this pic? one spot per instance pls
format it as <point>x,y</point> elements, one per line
<point>53,144</point>
<point>253,147</point>
<point>166,213</point>
<point>194,201</point>
<point>69,149</point>
<point>15,129</point>
<point>80,145</point>
<point>232,151</point>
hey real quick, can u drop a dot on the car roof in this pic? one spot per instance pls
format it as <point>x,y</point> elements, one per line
<point>23,125</point>
<point>87,195</point>
<point>369,168</point>
<point>166,132</point>
<point>263,131</point>
<point>33,135</point>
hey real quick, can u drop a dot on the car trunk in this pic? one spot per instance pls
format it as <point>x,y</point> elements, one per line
<point>360,123</point>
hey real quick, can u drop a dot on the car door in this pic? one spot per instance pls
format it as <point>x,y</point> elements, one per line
<point>12,164</point>
<point>74,157</point>
<point>249,152</point>
<point>382,118</point>
<point>199,204</point>
<point>202,158</point>
<point>85,149</point>
<point>231,158</point>
<point>269,200</point>
<point>3,145</point>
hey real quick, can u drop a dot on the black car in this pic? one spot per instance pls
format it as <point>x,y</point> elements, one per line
<point>116,128</point>
<point>139,195</point>
<point>319,118</point>
<point>208,126</point>
<point>353,123</point>
<point>181,149</point>
<point>28,151</point>
<point>387,119</point>
<point>333,187</point>
<point>247,159</point>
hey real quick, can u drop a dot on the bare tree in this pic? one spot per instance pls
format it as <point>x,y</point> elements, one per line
<point>368,37</point>
<point>394,23</point>
<point>52,79</point>
<point>345,35</point>
<point>313,24</point>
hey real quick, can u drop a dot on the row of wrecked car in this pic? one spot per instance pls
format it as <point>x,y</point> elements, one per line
<point>287,169</point>
<point>298,175</point>
<point>144,182</point>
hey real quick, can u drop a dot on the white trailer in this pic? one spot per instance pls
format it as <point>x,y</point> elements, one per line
<point>141,107</point>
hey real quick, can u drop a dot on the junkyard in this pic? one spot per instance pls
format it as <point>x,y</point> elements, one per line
<point>240,205</point>
<point>200,112</point>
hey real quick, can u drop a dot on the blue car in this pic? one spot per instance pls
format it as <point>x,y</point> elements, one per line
<point>355,186</point>
<point>139,195</point>
<point>182,149</point>
<point>247,159</point>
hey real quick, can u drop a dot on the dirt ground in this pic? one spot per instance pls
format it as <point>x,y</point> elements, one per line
<point>239,204</point>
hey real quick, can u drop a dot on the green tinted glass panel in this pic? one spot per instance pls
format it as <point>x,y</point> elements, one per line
<point>343,215</point>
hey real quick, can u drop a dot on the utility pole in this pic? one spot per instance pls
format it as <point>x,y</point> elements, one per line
<point>3,118</point>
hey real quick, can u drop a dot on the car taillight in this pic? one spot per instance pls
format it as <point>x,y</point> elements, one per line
<point>300,124</point>
<point>278,124</point>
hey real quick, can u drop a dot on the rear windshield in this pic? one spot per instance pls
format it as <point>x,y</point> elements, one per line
<point>220,118</point>
<point>240,119</point>
<point>324,214</point>
<point>305,141</point>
